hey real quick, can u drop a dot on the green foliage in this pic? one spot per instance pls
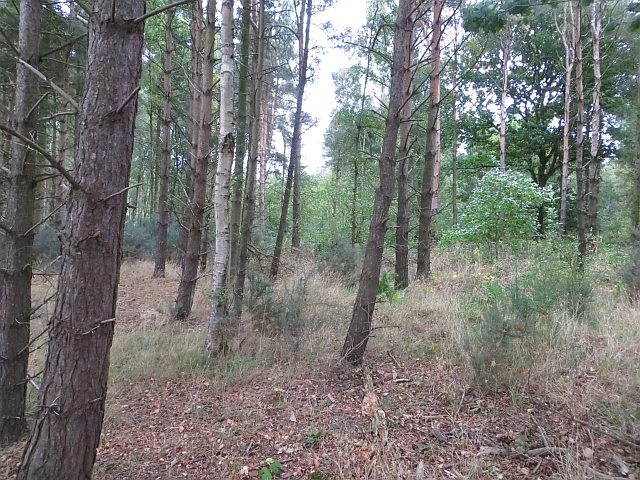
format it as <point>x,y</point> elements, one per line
<point>483,17</point>
<point>339,257</point>
<point>504,208</point>
<point>387,290</point>
<point>271,470</point>
<point>630,274</point>
<point>277,309</point>
<point>520,320</point>
<point>140,239</point>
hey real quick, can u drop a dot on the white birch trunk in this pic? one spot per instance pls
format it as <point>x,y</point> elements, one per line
<point>220,304</point>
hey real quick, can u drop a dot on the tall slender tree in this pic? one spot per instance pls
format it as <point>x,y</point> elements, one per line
<point>187,287</point>
<point>16,235</point>
<point>296,142</point>
<point>357,337</point>
<point>163,201</point>
<point>580,184</point>
<point>595,161</point>
<point>220,304</point>
<point>568,72</point>
<point>430,178</point>
<point>71,402</point>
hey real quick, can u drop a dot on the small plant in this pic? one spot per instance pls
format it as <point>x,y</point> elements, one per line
<point>271,470</point>
<point>387,290</point>
<point>630,274</point>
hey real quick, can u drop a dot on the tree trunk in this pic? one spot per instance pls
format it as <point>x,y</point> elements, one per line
<point>72,396</point>
<point>357,337</point>
<point>195,112</point>
<point>506,57</point>
<point>564,179</point>
<point>577,42</point>
<point>163,202</point>
<point>303,55</point>
<point>431,175</point>
<point>354,203</point>
<point>241,138</point>
<point>266,115</point>
<point>454,137</point>
<point>16,237</point>
<point>635,205</point>
<point>187,287</point>
<point>218,319</point>
<point>402,217</point>
<point>252,168</point>
<point>595,162</point>
<point>295,146</point>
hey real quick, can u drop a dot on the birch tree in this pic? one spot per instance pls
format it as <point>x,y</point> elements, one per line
<point>219,307</point>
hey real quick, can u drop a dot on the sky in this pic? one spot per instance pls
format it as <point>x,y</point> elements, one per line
<point>319,100</point>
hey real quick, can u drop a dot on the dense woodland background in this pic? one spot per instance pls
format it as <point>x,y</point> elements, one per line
<point>477,219</point>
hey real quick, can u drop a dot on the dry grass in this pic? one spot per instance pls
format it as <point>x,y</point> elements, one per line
<point>159,374</point>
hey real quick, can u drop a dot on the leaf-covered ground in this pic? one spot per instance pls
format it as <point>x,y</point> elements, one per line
<point>421,420</point>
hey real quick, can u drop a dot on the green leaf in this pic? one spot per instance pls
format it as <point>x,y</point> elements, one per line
<point>635,25</point>
<point>265,474</point>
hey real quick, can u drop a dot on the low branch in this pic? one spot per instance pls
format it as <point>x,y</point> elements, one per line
<point>37,104</point>
<point>53,212</point>
<point>9,42</point>
<point>160,10</point>
<point>44,78</point>
<point>608,434</point>
<point>127,100</point>
<point>34,146</point>
<point>120,191</point>
<point>56,115</point>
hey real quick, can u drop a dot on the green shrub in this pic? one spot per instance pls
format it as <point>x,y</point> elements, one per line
<point>630,274</point>
<point>338,256</point>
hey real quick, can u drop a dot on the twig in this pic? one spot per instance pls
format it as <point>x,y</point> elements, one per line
<point>64,45</point>
<point>37,104</point>
<point>534,452</point>
<point>608,434</point>
<point>393,359</point>
<point>98,325</point>
<point>83,7</point>
<point>142,18</point>
<point>120,191</point>
<point>54,163</point>
<point>464,392</point>
<point>44,302</point>
<point>541,430</point>
<point>9,42</point>
<point>44,78</point>
<point>131,96</point>
<point>53,212</point>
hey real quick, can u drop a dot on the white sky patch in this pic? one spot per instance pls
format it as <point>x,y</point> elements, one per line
<point>319,99</point>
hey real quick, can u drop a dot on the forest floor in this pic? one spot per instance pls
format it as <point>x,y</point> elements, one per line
<point>175,413</point>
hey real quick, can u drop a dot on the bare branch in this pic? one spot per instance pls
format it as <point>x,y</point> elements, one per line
<point>9,42</point>
<point>43,77</point>
<point>63,46</point>
<point>127,100</point>
<point>53,212</point>
<point>34,146</point>
<point>160,10</point>
<point>83,7</point>
<point>120,191</point>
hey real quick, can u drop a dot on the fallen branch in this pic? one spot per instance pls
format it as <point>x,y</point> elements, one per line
<point>534,452</point>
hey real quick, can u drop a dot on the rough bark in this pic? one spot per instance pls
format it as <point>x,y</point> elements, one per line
<point>195,109</point>
<point>568,68</point>
<point>580,190</point>
<point>187,287</point>
<point>68,420</point>
<point>402,217</point>
<point>296,144</point>
<point>252,168</point>
<point>431,174</point>
<point>595,162</point>
<point>506,58</point>
<point>163,201</point>
<point>241,137</point>
<point>361,320</point>
<point>635,205</point>
<point>303,55</point>
<point>16,242</point>
<point>218,319</point>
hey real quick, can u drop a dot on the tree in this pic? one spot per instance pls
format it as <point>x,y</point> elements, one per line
<point>163,201</point>
<point>429,193</point>
<point>360,327</point>
<point>296,145</point>
<point>220,304</point>
<point>198,200</point>
<point>568,67</point>
<point>17,229</point>
<point>580,187</point>
<point>72,395</point>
